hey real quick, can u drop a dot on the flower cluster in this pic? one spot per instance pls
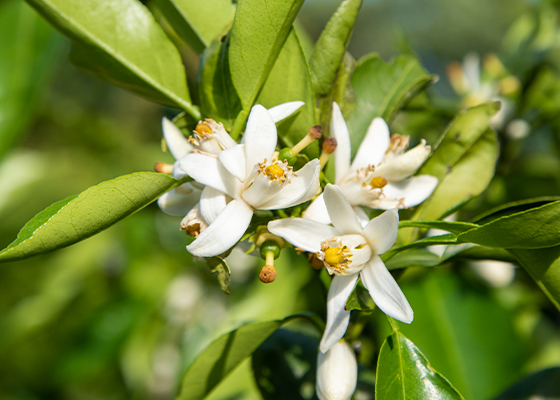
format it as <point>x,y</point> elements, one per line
<point>231,180</point>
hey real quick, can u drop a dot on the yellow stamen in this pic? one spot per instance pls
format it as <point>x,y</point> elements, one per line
<point>333,256</point>
<point>203,129</point>
<point>378,182</point>
<point>274,171</point>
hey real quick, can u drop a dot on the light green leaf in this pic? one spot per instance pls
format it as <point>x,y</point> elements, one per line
<point>453,227</point>
<point>413,258</point>
<point>513,207</point>
<point>532,229</point>
<point>220,267</point>
<point>403,372</point>
<point>429,241</point>
<point>79,217</point>
<point>218,99</point>
<point>331,46</point>
<point>289,80</point>
<point>259,30</point>
<point>224,355</point>
<point>198,23</point>
<point>382,89</point>
<point>464,162</point>
<point>359,299</point>
<point>29,48</point>
<point>120,41</point>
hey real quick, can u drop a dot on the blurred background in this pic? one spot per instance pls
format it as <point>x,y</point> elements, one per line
<point>122,314</point>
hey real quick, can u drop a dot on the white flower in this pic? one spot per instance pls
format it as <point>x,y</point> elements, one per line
<point>337,373</point>
<point>379,175</point>
<point>212,138</point>
<point>243,178</point>
<point>347,250</point>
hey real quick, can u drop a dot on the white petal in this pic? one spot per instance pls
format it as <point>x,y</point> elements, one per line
<point>223,137</point>
<point>302,233</point>
<point>284,110</point>
<point>385,291</point>
<point>413,190</point>
<point>212,202</point>
<point>175,140</point>
<point>337,373</point>
<point>179,202</point>
<point>471,70</point>
<point>317,211</point>
<point>178,173</point>
<point>362,216</point>
<point>342,154</point>
<point>381,232</point>
<point>404,165</point>
<point>228,227</point>
<point>210,172</point>
<point>300,189</point>
<point>337,316</point>
<point>233,159</point>
<point>340,211</point>
<point>263,190</point>
<point>373,147</point>
<point>260,137</point>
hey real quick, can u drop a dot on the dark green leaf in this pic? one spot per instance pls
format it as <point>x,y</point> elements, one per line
<point>404,373</point>
<point>413,258</point>
<point>540,385</point>
<point>79,217</point>
<point>331,46</point>
<point>454,227</point>
<point>29,48</point>
<point>120,41</point>
<point>512,208</point>
<point>430,241</point>
<point>259,30</point>
<point>198,23</point>
<point>381,89</point>
<point>533,229</point>
<point>220,267</point>
<point>288,81</point>
<point>224,355</point>
<point>218,99</point>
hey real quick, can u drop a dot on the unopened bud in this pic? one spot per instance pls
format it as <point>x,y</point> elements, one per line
<point>337,373</point>
<point>268,274</point>
<point>163,168</point>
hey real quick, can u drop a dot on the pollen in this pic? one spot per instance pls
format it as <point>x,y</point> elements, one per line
<point>333,256</point>
<point>203,130</point>
<point>274,171</point>
<point>378,182</point>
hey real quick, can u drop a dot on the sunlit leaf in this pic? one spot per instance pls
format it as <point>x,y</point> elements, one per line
<point>79,217</point>
<point>331,46</point>
<point>454,227</point>
<point>198,23</point>
<point>120,41</point>
<point>259,30</point>
<point>289,80</point>
<point>403,372</point>
<point>381,89</point>
<point>513,207</point>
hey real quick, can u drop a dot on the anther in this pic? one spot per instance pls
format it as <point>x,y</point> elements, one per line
<point>378,182</point>
<point>163,168</point>
<point>329,146</point>
<point>203,129</point>
<point>274,171</point>
<point>313,134</point>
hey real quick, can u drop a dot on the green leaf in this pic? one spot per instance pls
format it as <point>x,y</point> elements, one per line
<point>464,162</point>
<point>331,46</point>
<point>512,208</point>
<point>218,99</point>
<point>220,267</point>
<point>382,89</point>
<point>79,217</point>
<point>29,48</point>
<point>259,30</point>
<point>198,23</point>
<point>359,299</point>
<point>224,355</point>
<point>413,258</point>
<point>289,80</point>
<point>544,267</point>
<point>543,384</point>
<point>466,334</point>
<point>453,227</point>
<point>404,373</point>
<point>430,241</point>
<point>532,229</point>
<point>120,41</point>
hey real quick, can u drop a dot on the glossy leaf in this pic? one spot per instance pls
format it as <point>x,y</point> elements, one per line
<point>121,42</point>
<point>454,227</point>
<point>513,207</point>
<point>259,30</point>
<point>331,46</point>
<point>198,23</point>
<point>359,299</point>
<point>220,267</point>
<point>29,48</point>
<point>223,355</point>
<point>218,99</point>
<point>79,217</point>
<point>464,162</point>
<point>413,258</point>
<point>403,372</point>
<point>289,80</point>
<point>382,89</point>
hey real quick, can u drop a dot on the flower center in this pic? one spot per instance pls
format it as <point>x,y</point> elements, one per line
<point>378,182</point>
<point>274,171</point>
<point>203,130</point>
<point>333,256</point>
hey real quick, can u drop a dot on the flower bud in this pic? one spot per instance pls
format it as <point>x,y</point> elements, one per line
<point>337,373</point>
